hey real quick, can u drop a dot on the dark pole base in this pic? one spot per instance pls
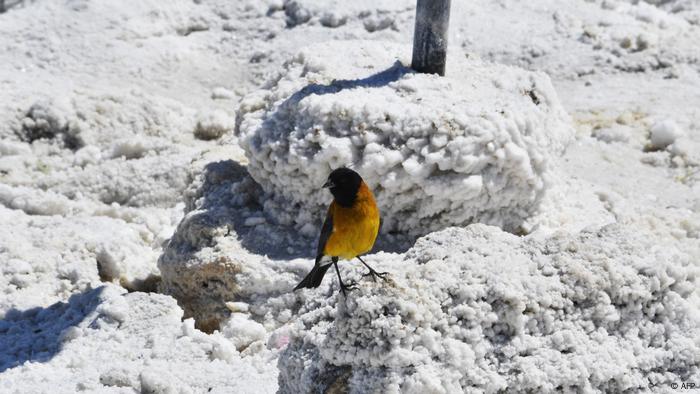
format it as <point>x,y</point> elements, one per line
<point>430,36</point>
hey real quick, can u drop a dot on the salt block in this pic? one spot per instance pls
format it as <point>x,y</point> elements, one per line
<point>473,146</point>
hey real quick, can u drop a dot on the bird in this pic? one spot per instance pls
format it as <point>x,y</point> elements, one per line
<point>349,230</point>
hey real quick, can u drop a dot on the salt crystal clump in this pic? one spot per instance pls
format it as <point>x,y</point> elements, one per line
<point>212,125</point>
<point>243,331</point>
<point>664,133</point>
<point>48,120</point>
<point>437,151</point>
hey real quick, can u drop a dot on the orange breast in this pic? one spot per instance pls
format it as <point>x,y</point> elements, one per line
<point>354,228</point>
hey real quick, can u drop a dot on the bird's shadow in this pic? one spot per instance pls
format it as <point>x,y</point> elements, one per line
<point>36,334</point>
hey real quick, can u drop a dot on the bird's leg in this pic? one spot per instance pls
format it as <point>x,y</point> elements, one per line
<point>372,272</point>
<point>343,286</point>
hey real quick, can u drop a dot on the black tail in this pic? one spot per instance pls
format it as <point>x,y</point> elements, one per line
<point>314,278</point>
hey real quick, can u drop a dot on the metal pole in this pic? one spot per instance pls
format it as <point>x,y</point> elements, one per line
<point>430,36</point>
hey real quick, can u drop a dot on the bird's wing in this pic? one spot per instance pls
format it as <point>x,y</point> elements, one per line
<point>326,231</point>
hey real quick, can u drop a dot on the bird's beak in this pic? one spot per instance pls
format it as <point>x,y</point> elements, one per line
<point>328,184</point>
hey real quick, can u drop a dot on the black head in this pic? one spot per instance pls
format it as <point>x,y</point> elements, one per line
<point>344,184</point>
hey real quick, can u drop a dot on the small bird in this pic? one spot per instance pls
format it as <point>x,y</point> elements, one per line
<point>350,228</point>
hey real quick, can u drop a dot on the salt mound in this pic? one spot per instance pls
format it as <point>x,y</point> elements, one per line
<point>216,256</point>
<point>472,146</point>
<point>481,310</point>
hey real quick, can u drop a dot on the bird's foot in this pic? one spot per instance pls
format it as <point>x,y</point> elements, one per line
<point>376,274</point>
<point>349,287</point>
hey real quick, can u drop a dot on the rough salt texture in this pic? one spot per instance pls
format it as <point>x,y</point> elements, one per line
<point>472,146</point>
<point>120,342</point>
<point>373,15</point>
<point>481,310</point>
<point>56,246</point>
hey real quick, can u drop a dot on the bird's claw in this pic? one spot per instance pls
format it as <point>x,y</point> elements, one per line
<point>376,274</point>
<point>349,287</point>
